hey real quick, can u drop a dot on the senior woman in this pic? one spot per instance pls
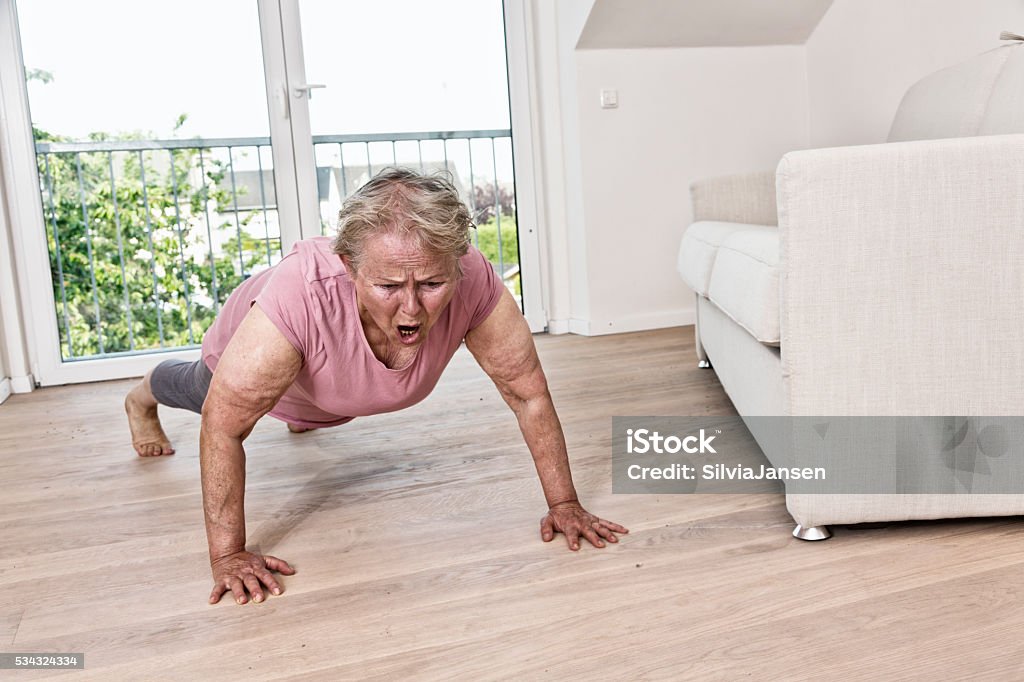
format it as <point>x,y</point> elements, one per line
<point>358,326</point>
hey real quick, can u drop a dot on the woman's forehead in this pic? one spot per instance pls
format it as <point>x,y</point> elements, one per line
<point>386,253</point>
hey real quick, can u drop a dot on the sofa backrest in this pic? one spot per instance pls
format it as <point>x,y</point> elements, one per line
<point>982,96</point>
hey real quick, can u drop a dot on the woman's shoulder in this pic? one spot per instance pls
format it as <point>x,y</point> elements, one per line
<point>480,287</point>
<point>312,260</point>
<point>300,290</point>
<point>476,269</point>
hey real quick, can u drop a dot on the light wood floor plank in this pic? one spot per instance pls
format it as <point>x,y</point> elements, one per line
<point>415,535</point>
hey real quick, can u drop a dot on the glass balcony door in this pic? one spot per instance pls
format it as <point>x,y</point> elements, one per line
<point>427,85</point>
<point>177,151</point>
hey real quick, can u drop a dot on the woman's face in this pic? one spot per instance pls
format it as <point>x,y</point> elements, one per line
<point>401,291</point>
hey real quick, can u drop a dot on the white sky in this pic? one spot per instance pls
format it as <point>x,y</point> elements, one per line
<point>390,65</point>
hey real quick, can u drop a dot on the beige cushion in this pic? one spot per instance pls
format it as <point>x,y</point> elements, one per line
<point>1005,111</point>
<point>697,252</point>
<point>982,96</point>
<point>740,198</point>
<point>745,281</point>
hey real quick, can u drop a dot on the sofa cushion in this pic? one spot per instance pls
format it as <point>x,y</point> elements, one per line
<point>1005,111</point>
<point>982,96</point>
<point>697,252</point>
<point>745,281</point>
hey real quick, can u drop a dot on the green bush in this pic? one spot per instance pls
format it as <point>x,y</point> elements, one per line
<point>487,241</point>
<point>137,262</point>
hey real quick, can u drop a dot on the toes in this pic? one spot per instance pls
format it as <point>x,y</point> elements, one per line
<point>153,449</point>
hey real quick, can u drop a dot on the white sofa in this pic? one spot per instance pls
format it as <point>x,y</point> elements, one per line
<point>884,279</point>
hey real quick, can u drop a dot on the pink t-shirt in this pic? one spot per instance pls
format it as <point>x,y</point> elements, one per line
<point>310,297</point>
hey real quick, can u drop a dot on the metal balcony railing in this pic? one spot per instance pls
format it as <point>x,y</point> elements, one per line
<point>147,238</point>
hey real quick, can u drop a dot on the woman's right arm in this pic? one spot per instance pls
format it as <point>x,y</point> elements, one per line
<point>257,367</point>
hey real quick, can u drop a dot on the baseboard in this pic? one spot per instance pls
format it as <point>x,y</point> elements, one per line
<point>636,323</point>
<point>581,327</point>
<point>23,384</point>
<point>558,327</point>
<point>5,389</point>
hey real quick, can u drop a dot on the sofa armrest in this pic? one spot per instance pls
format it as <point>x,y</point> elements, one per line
<point>902,278</point>
<point>745,198</point>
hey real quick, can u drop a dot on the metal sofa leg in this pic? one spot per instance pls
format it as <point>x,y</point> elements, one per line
<point>812,533</point>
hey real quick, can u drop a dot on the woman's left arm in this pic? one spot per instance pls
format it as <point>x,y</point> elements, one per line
<point>503,346</point>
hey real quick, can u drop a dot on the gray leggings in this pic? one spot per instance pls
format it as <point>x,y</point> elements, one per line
<point>177,383</point>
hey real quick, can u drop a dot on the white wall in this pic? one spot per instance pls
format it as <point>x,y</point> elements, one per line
<point>866,53</point>
<point>632,24</point>
<point>683,114</point>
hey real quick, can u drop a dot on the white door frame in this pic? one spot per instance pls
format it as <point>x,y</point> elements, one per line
<point>284,113</point>
<point>286,72</point>
<point>517,46</point>
<point>17,374</point>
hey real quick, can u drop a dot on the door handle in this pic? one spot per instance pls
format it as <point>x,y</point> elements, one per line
<point>306,89</point>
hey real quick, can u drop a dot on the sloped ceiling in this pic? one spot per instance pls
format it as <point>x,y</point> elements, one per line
<point>700,23</point>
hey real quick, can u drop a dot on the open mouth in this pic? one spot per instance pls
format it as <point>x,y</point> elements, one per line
<point>408,332</point>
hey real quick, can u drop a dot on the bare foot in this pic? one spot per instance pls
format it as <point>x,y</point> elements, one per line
<point>300,429</point>
<point>148,437</point>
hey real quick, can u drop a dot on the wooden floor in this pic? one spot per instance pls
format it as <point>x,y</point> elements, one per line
<point>415,536</point>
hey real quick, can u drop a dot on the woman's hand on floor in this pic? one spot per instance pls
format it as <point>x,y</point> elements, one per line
<point>247,575</point>
<point>573,521</point>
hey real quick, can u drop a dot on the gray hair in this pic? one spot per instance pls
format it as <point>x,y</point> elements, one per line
<point>402,201</point>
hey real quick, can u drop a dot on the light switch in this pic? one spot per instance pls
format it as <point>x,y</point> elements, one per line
<point>609,99</point>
